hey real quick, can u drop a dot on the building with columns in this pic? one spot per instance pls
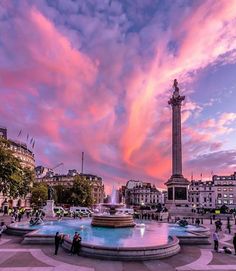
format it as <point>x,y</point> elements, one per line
<point>52,179</point>
<point>177,185</point>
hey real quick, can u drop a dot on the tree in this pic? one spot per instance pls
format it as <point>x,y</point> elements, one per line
<point>28,177</point>
<point>81,192</point>
<point>13,178</point>
<point>62,194</point>
<point>39,193</point>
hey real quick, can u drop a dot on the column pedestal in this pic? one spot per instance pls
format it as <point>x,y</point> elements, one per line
<point>49,208</point>
<point>177,201</point>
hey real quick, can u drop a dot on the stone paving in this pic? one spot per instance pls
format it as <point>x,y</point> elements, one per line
<point>17,257</point>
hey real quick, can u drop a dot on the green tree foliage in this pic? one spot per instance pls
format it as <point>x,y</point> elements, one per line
<point>14,179</point>
<point>39,193</point>
<point>81,192</point>
<point>62,194</point>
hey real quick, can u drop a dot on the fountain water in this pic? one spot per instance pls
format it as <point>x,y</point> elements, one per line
<point>112,219</point>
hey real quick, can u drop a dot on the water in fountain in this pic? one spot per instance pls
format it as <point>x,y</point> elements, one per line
<point>113,196</point>
<point>112,219</point>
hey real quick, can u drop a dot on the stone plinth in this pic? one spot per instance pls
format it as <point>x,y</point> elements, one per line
<point>49,208</point>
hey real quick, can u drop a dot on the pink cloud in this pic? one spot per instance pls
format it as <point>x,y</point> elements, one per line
<point>83,82</point>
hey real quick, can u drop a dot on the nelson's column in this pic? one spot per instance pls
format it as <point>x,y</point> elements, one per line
<point>177,185</point>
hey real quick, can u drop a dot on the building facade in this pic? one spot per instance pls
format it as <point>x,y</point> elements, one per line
<point>27,160</point>
<point>202,194</point>
<point>138,193</point>
<point>225,190</point>
<point>67,180</point>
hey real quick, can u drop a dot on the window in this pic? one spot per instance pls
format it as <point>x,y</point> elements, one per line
<point>219,201</point>
<point>225,201</point>
<point>205,199</point>
<point>231,189</point>
<point>210,200</point>
<point>225,196</point>
<point>231,201</point>
<point>218,189</point>
<point>197,199</point>
<point>219,195</point>
<point>225,189</point>
<point>231,195</point>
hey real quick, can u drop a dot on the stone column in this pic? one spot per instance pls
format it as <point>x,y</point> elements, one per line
<point>177,185</point>
<point>176,139</point>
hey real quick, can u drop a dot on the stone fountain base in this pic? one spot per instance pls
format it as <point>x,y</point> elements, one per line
<point>113,221</point>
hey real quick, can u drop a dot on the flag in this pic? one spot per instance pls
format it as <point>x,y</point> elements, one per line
<point>201,176</point>
<point>31,140</point>
<point>27,137</point>
<point>19,133</point>
<point>33,144</point>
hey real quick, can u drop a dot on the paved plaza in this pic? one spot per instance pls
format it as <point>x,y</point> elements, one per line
<point>17,257</point>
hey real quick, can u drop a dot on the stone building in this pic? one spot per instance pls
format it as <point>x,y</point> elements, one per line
<point>140,193</point>
<point>202,194</point>
<point>66,180</point>
<point>225,190</point>
<point>27,160</point>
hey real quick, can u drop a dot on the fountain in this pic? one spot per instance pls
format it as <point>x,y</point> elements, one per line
<point>111,218</point>
<point>111,235</point>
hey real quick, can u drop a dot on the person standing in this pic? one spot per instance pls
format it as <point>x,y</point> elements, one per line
<point>57,242</point>
<point>77,244</point>
<point>73,247</point>
<point>234,243</point>
<point>2,229</point>
<point>229,226</point>
<point>197,221</point>
<point>216,241</point>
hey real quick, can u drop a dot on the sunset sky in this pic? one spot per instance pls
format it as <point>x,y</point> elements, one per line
<point>96,76</point>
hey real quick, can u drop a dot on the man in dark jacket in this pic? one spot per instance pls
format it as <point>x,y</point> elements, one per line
<point>73,247</point>
<point>234,242</point>
<point>57,242</point>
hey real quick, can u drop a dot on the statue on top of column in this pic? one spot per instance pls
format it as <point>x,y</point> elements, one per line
<point>176,91</point>
<point>176,99</point>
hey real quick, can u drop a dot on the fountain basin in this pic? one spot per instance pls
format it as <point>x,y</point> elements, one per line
<point>147,240</point>
<point>128,253</point>
<point>113,221</point>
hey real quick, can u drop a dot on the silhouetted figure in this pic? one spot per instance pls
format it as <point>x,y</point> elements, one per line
<point>234,243</point>
<point>216,241</point>
<point>73,247</point>
<point>197,221</point>
<point>57,242</point>
<point>77,244</point>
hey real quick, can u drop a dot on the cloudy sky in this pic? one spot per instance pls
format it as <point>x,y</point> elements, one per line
<point>96,76</point>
